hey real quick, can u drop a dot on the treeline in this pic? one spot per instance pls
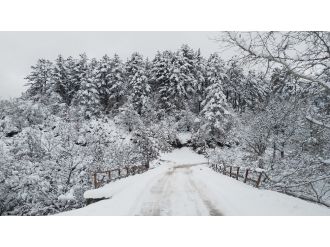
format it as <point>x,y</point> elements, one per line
<point>170,84</point>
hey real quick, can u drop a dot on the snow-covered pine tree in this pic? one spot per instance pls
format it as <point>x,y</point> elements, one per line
<point>284,84</point>
<point>182,79</point>
<point>200,83</point>
<point>87,97</point>
<point>254,91</point>
<point>117,78</point>
<point>160,79</point>
<point>102,75</point>
<point>234,85</point>
<point>215,72</point>
<point>140,90</point>
<point>138,82</point>
<point>39,80</point>
<point>133,65</point>
<point>64,83</point>
<point>216,114</point>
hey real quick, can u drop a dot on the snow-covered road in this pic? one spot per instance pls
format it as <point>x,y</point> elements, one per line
<point>176,193</point>
<point>181,185</point>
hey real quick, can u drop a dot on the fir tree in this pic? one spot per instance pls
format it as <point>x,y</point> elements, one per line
<point>39,80</point>
<point>215,113</point>
<point>102,74</point>
<point>117,78</point>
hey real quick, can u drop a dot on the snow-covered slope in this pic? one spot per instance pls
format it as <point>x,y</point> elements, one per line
<point>183,186</point>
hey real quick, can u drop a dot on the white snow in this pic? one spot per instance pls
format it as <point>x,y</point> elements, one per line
<point>183,156</point>
<point>184,137</point>
<point>67,197</point>
<point>259,169</point>
<point>326,162</point>
<point>184,186</point>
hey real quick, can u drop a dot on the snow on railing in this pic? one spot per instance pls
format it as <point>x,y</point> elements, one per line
<point>248,175</point>
<point>99,178</point>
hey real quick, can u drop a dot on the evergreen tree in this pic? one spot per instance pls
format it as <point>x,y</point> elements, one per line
<point>200,86</point>
<point>182,78</point>
<point>117,78</point>
<point>40,80</point>
<point>254,92</point>
<point>138,82</point>
<point>284,84</point>
<point>64,83</point>
<point>161,79</point>
<point>87,97</point>
<point>134,64</point>
<point>102,74</point>
<point>140,90</point>
<point>215,113</point>
<point>234,84</point>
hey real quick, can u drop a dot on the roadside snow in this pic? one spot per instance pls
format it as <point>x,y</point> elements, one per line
<point>183,156</point>
<point>182,186</point>
<point>237,198</point>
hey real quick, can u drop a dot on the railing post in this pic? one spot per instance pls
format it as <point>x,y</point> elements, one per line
<point>259,180</point>
<point>224,169</point>
<point>127,171</point>
<point>237,173</point>
<point>94,180</point>
<point>109,175</point>
<point>246,175</point>
<point>230,169</point>
<point>119,173</point>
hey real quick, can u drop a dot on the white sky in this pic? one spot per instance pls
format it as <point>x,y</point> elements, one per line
<point>20,50</point>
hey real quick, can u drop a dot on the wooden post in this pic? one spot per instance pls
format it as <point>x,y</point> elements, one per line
<point>224,169</point>
<point>119,173</point>
<point>259,180</point>
<point>230,169</point>
<point>237,173</point>
<point>109,175</point>
<point>127,171</point>
<point>246,175</point>
<point>95,182</point>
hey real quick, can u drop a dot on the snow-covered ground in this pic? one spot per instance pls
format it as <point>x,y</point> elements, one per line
<point>182,185</point>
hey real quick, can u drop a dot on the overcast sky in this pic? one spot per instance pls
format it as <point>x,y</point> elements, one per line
<point>20,50</point>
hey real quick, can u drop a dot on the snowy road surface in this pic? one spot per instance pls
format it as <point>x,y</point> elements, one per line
<point>181,185</point>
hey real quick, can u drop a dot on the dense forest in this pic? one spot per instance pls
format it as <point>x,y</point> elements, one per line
<point>84,114</point>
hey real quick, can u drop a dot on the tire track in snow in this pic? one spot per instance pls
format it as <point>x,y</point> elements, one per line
<point>176,193</point>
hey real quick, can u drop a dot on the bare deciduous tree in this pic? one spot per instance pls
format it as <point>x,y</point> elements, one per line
<point>306,55</point>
